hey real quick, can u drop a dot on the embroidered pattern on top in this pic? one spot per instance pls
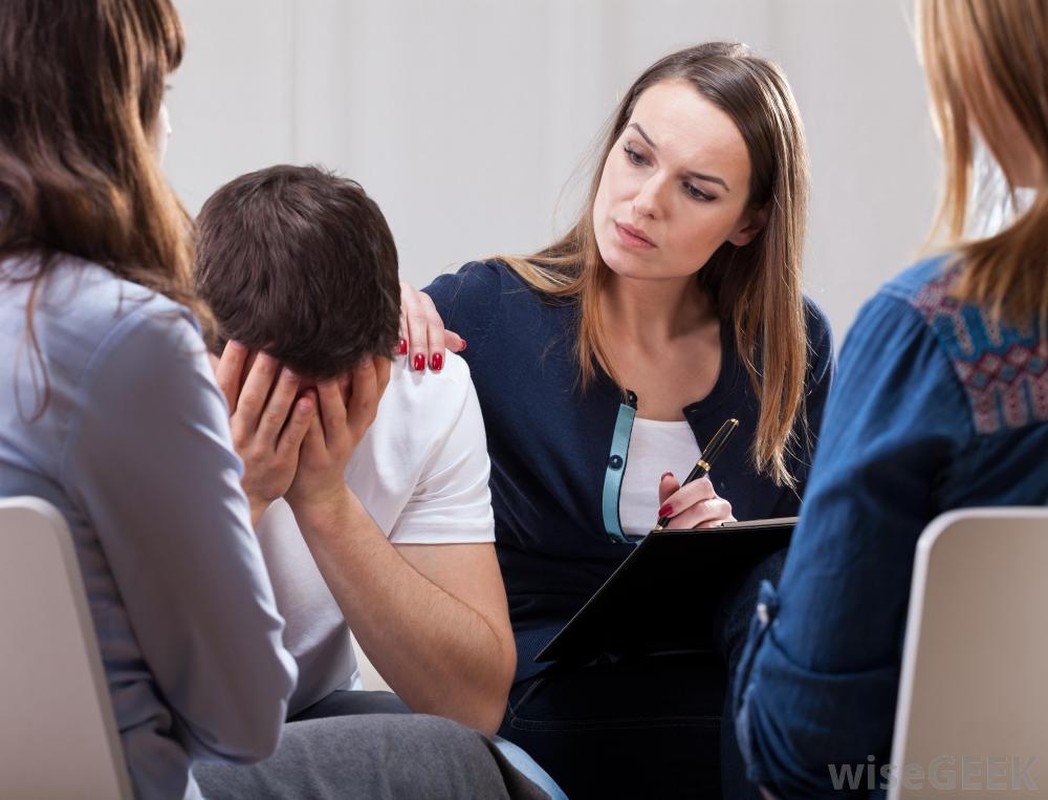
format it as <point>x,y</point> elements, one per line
<point>1003,368</point>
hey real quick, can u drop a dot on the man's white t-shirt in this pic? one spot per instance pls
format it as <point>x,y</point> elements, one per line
<point>421,471</point>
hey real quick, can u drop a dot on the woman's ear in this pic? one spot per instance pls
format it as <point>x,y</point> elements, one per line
<point>751,223</point>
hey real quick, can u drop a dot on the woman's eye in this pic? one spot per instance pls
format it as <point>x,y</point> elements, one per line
<point>695,193</point>
<point>634,156</point>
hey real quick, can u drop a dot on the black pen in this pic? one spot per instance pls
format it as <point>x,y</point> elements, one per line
<point>705,463</point>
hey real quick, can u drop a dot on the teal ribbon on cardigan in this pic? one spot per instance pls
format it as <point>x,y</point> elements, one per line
<point>620,445</point>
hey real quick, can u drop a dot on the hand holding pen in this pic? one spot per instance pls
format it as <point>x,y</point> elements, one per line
<point>714,508</point>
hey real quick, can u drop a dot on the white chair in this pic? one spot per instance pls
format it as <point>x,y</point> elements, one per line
<point>972,712</point>
<point>58,737</point>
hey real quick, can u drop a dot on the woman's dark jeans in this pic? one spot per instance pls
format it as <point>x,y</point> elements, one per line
<point>644,726</point>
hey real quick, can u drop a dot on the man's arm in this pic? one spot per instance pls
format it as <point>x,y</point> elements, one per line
<point>432,618</point>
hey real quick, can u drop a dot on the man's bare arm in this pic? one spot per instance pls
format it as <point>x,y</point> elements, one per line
<point>432,618</point>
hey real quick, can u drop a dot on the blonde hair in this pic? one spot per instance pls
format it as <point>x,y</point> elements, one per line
<point>758,286</point>
<point>986,60</point>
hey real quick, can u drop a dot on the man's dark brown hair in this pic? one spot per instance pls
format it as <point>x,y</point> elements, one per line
<point>300,263</point>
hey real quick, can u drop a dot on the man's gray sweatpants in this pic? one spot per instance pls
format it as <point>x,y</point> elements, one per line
<point>372,757</point>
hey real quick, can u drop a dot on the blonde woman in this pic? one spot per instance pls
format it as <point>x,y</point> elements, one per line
<point>604,362</point>
<point>922,419</point>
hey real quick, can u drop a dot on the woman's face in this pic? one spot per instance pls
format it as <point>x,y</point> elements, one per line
<point>674,187</point>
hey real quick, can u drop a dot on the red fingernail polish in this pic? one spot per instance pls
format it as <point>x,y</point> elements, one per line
<point>419,362</point>
<point>436,361</point>
<point>463,345</point>
<point>666,511</point>
<point>402,347</point>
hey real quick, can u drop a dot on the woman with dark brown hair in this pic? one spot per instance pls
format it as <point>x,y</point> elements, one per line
<point>605,361</point>
<point>109,410</point>
<point>941,403</point>
<point>108,407</point>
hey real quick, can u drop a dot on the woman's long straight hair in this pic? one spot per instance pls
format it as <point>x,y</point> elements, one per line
<point>81,85</point>
<point>987,68</point>
<point>756,287</point>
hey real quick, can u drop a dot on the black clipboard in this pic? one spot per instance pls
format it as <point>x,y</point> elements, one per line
<point>662,597</point>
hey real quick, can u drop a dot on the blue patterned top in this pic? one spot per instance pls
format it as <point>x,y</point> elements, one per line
<point>935,407</point>
<point>1003,369</point>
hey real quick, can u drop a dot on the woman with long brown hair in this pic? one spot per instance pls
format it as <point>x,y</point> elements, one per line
<point>941,403</point>
<point>108,408</point>
<point>604,362</point>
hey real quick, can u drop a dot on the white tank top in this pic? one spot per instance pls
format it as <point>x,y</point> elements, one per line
<point>656,446</point>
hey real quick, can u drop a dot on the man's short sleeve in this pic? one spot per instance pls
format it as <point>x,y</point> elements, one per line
<point>422,471</point>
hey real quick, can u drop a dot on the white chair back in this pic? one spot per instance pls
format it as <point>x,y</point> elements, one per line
<point>972,712</point>
<point>58,737</point>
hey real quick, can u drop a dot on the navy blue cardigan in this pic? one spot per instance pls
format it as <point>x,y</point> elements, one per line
<point>550,443</point>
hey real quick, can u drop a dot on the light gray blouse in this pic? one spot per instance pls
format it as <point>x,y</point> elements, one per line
<point>133,447</point>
